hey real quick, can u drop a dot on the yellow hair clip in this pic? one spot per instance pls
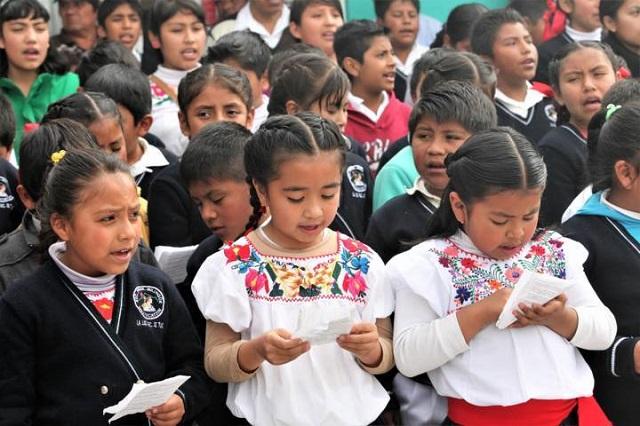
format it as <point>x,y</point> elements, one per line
<point>611,109</point>
<point>57,156</point>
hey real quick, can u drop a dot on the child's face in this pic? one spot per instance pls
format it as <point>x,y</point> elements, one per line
<point>109,135</point>
<point>536,29</point>
<point>304,199</point>
<point>181,41</point>
<point>585,77</point>
<point>212,105</point>
<point>25,42</point>
<point>267,7</point>
<point>514,55</point>
<point>500,224</point>
<point>77,15</point>
<point>336,113</point>
<point>402,21</point>
<point>224,206</point>
<point>626,25</point>
<point>123,25</point>
<point>431,142</point>
<point>130,131</point>
<point>103,231</point>
<point>377,72</point>
<point>318,25</point>
<point>583,14</point>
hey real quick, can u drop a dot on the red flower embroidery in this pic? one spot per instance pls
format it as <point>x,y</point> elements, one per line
<point>353,246</point>
<point>513,274</point>
<point>468,263</point>
<point>537,250</point>
<point>354,284</point>
<point>256,281</point>
<point>495,285</point>
<point>156,91</point>
<point>237,252</point>
<point>444,261</point>
<point>451,251</point>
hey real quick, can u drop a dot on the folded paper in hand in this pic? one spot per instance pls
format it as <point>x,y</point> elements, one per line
<point>321,324</point>
<point>144,396</point>
<point>173,261</point>
<point>532,287</point>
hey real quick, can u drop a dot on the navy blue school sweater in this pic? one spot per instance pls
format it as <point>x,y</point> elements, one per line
<point>546,51</point>
<point>356,197</point>
<point>613,268</point>
<point>539,121</point>
<point>61,363</point>
<point>565,153</point>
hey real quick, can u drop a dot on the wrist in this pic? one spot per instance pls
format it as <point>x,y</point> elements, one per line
<point>373,358</point>
<point>249,357</point>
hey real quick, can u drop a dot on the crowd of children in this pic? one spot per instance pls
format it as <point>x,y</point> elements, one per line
<point>350,212</point>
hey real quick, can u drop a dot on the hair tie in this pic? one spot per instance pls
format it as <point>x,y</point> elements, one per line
<point>611,109</point>
<point>57,156</point>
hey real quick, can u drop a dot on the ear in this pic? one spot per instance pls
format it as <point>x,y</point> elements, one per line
<point>26,199</point>
<point>154,40</point>
<point>145,124</point>
<point>457,206</point>
<point>250,116</point>
<point>625,173</point>
<point>292,107</point>
<point>101,32</point>
<point>566,6</point>
<point>184,124</point>
<point>60,226</point>
<point>609,24</point>
<point>294,29</point>
<point>262,192</point>
<point>351,66</point>
<point>264,82</point>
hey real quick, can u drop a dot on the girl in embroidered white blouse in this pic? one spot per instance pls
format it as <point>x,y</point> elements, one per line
<point>451,288</point>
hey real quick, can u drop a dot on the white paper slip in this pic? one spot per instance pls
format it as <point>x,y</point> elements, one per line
<point>531,288</point>
<point>173,261</point>
<point>144,396</point>
<point>320,325</point>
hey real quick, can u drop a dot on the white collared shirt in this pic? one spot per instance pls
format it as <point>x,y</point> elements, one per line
<point>576,35</point>
<point>419,186</point>
<point>407,67</point>
<point>260,114</point>
<point>520,108</point>
<point>358,104</point>
<point>151,157</point>
<point>246,20</point>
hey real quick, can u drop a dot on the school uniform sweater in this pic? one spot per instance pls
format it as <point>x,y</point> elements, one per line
<point>11,208</point>
<point>398,174</point>
<point>356,194</point>
<point>631,58</point>
<point>62,363</point>
<point>565,153</point>
<point>613,267</point>
<point>153,161</point>
<point>540,119</point>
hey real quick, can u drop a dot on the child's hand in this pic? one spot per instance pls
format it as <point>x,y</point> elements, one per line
<point>280,347</point>
<point>475,317</point>
<point>168,414</point>
<point>495,303</point>
<point>553,314</point>
<point>363,342</point>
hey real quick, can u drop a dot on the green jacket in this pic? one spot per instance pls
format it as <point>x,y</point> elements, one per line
<point>46,89</point>
<point>395,177</point>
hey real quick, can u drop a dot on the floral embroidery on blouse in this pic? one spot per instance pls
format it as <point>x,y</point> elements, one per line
<point>476,277</point>
<point>341,276</point>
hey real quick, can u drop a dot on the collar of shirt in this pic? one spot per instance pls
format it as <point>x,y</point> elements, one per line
<point>170,76</point>
<point>420,187</point>
<point>358,105</point>
<point>246,20</point>
<point>260,114</point>
<point>151,157</point>
<point>83,282</point>
<point>576,35</point>
<point>520,107</point>
<point>629,213</point>
<point>407,67</point>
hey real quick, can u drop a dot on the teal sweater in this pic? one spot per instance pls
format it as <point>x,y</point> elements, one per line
<point>395,177</point>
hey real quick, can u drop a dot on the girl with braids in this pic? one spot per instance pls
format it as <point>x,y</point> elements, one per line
<point>260,293</point>
<point>451,289</point>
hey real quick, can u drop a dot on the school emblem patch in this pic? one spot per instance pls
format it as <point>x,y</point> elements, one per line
<point>355,174</point>
<point>149,301</point>
<point>551,113</point>
<point>5,191</point>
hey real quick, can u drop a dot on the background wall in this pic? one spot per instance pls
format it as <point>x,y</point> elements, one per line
<point>439,9</point>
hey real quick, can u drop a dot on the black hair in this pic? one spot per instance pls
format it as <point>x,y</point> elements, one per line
<point>223,75</point>
<point>7,122</point>
<point>38,145</point>
<point>618,140</point>
<point>216,152</point>
<point>486,28</point>
<point>107,7</point>
<point>104,53</point>
<point>486,73</point>
<point>163,10</point>
<point>307,79</point>
<point>622,92</point>
<point>490,162</point>
<point>610,8</point>
<point>83,107</point>
<point>457,101</point>
<point>280,58</point>
<point>556,64</point>
<point>298,7</point>
<point>281,137</point>
<point>66,183</point>
<point>19,9</point>
<point>533,10</point>
<point>94,3</point>
<point>424,64</point>
<point>459,23</point>
<point>244,47</point>
<point>455,66</point>
<point>381,6</point>
<point>354,38</point>
<point>127,86</point>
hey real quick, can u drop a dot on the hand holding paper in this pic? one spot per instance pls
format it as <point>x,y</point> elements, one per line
<point>320,325</point>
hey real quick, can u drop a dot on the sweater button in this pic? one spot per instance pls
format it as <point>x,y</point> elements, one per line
<point>104,390</point>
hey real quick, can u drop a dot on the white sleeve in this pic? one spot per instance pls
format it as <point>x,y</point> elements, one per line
<point>382,293</point>
<point>596,324</point>
<point>425,335</point>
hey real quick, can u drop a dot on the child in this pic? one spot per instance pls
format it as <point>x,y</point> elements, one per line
<point>400,18</point>
<point>310,82</point>
<point>11,208</point>
<point>269,20</point>
<point>608,226</point>
<point>247,52</point>
<point>295,164</point>
<point>456,32</point>
<point>502,37</point>
<point>376,117</point>
<point>177,30</point>
<point>129,88</point>
<point>451,289</point>
<point>121,21</point>
<point>106,52</point>
<point>90,289</point>
<point>583,25</point>
<point>315,23</point>
<point>440,123</point>
<point>619,18</point>
<point>580,74</point>
<point>31,74</point>
<point>210,94</point>
<point>532,11</point>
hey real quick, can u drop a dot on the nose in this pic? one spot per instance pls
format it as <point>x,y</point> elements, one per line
<point>313,209</point>
<point>437,146</point>
<point>341,118</point>
<point>190,36</point>
<point>515,233</point>
<point>208,213</point>
<point>588,83</point>
<point>127,23</point>
<point>130,229</point>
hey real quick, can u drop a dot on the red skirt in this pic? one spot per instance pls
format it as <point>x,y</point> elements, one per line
<point>535,412</point>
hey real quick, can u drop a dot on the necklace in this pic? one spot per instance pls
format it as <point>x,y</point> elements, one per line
<point>264,237</point>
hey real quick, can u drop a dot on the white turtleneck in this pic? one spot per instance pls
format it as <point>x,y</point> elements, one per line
<point>576,35</point>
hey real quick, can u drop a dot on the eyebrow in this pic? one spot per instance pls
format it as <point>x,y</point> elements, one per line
<point>118,209</point>
<point>503,214</point>
<point>301,188</point>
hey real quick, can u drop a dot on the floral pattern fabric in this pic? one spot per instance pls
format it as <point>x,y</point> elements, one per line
<point>476,277</point>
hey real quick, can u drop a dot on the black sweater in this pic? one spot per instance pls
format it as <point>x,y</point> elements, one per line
<point>355,198</point>
<point>613,267</point>
<point>539,121</point>
<point>631,58</point>
<point>546,52</point>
